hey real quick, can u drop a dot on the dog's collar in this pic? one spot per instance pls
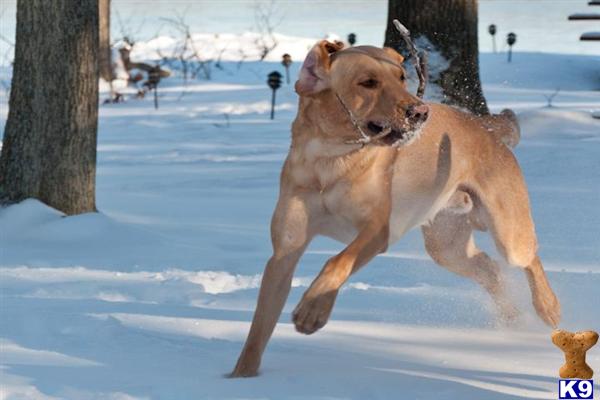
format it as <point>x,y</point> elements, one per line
<point>353,119</point>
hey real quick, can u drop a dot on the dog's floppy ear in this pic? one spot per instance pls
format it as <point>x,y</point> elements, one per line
<point>314,75</point>
<point>394,55</point>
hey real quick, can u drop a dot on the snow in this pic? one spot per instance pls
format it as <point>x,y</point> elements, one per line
<point>227,47</point>
<point>151,298</point>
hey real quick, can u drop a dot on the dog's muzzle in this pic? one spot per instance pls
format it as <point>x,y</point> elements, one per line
<point>388,134</point>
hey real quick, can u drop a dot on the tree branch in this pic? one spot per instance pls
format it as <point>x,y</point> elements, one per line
<point>419,59</point>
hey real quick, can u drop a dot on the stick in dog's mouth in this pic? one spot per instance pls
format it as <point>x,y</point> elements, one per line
<point>381,131</point>
<point>419,59</point>
<point>386,135</point>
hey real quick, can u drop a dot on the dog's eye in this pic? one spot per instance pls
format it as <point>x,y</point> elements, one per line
<point>402,77</point>
<point>369,83</point>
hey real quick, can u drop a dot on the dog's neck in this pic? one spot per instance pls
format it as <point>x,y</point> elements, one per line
<point>323,157</point>
<point>309,125</point>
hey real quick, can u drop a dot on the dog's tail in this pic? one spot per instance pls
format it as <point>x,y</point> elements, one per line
<point>505,127</point>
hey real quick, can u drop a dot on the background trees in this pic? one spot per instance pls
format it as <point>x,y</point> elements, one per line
<point>104,50</point>
<point>49,146</point>
<point>451,27</point>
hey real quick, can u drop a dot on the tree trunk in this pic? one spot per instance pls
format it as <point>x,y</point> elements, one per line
<point>49,147</point>
<point>105,52</point>
<point>451,27</point>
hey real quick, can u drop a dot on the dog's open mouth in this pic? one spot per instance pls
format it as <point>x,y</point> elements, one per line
<point>394,136</point>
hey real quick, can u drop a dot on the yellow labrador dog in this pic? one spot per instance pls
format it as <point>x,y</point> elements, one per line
<point>368,162</point>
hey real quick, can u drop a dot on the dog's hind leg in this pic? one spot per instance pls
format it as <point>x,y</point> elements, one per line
<point>505,212</point>
<point>290,234</point>
<point>449,241</point>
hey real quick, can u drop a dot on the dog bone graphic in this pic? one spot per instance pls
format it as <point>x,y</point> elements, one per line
<point>575,345</point>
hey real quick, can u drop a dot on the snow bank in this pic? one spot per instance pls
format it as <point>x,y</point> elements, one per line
<point>551,121</point>
<point>225,47</point>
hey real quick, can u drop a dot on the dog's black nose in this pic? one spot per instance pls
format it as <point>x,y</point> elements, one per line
<point>417,112</point>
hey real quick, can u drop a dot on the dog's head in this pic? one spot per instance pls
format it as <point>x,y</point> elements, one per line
<point>364,83</point>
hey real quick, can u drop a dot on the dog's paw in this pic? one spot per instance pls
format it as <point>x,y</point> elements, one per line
<point>247,365</point>
<point>242,373</point>
<point>547,307</point>
<point>313,311</point>
<point>244,369</point>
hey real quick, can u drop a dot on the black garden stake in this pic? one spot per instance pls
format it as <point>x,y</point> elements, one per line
<point>286,62</point>
<point>510,39</point>
<point>352,39</point>
<point>153,80</point>
<point>274,82</point>
<point>492,31</point>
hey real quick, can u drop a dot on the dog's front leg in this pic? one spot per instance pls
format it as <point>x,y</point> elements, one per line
<point>290,234</point>
<point>314,309</point>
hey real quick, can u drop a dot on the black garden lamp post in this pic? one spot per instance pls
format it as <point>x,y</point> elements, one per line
<point>153,81</point>
<point>510,39</point>
<point>286,62</point>
<point>492,31</point>
<point>352,39</point>
<point>274,82</point>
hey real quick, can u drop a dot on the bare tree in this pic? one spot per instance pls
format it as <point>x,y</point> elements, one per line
<point>128,30</point>
<point>104,51</point>
<point>49,148</point>
<point>550,97</point>
<point>450,26</point>
<point>190,58</point>
<point>266,19</point>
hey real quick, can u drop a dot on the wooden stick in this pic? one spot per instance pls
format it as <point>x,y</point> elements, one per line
<point>418,59</point>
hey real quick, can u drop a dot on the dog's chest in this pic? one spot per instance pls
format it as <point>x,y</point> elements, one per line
<point>336,198</point>
<point>348,188</point>
<point>350,201</point>
<point>339,218</point>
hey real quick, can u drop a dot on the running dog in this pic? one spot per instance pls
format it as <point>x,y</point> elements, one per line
<point>370,161</point>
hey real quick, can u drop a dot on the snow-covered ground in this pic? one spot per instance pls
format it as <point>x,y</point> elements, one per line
<point>151,297</point>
